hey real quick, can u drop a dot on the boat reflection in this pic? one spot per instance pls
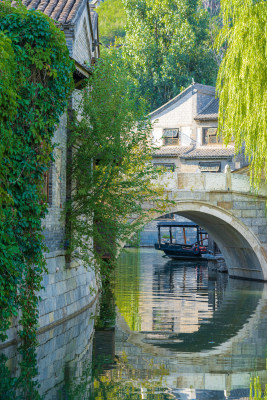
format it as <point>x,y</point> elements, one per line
<point>208,333</point>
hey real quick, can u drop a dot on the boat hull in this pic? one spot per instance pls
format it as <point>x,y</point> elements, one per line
<point>178,252</point>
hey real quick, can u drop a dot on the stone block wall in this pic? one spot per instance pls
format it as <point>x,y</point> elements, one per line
<point>83,43</point>
<point>64,354</point>
<point>54,225</point>
<point>66,290</point>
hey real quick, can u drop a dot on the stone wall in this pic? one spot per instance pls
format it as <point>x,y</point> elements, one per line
<point>83,40</point>
<point>66,290</point>
<point>64,354</point>
<point>54,225</point>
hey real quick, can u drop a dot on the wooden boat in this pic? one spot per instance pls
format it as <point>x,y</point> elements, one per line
<point>184,251</point>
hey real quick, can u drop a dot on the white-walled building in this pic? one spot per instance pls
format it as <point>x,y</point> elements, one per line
<point>185,129</point>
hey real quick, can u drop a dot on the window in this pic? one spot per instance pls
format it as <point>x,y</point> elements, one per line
<point>170,137</point>
<point>210,136</point>
<point>210,166</point>
<point>167,166</point>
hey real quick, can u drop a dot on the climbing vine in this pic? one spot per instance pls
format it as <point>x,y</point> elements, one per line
<point>35,82</point>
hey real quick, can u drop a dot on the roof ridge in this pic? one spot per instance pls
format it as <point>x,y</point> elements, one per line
<point>181,94</point>
<point>171,100</point>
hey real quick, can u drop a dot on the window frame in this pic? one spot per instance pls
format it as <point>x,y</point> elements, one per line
<point>169,166</point>
<point>210,163</point>
<point>204,136</point>
<point>170,140</point>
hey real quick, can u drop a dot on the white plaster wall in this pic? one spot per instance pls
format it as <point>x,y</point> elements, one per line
<point>185,136</point>
<point>176,116</point>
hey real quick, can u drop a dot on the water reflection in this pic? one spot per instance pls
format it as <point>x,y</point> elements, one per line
<point>64,355</point>
<point>179,332</point>
<point>210,334</point>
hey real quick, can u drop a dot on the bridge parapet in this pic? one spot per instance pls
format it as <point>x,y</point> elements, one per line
<point>219,182</point>
<point>209,182</point>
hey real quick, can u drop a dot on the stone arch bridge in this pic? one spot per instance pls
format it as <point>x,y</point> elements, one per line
<point>226,206</point>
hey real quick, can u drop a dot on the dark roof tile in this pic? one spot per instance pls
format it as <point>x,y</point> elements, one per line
<point>62,11</point>
<point>210,152</point>
<point>210,90</point>
<point>172,151</point>
<point>209,112</point>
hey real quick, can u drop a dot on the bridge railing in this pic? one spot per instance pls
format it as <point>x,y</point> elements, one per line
<point>209,182</point>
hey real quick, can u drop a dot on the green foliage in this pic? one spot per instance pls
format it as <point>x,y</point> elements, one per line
<point>242,80</point>
<point>112,130</point>
<point>35,81</point>
<point>112,21</point>
<point>256,391</point>
<point>7,103</point>
<point>127,279</point>
<point>167,44</point>
<point>123,382</point>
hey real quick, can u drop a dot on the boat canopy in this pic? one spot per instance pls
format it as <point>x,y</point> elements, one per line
<point>177,224</point>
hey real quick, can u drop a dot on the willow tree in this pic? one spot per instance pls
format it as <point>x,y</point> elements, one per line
<point>110,164</point>
<point>242,80</point>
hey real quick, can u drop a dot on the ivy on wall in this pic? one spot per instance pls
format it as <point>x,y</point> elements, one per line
<point>35,83</point>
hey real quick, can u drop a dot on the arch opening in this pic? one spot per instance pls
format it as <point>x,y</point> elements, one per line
<point>244,255</point>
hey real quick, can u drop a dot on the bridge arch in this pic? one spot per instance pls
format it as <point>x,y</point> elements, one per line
<point>244,254</point>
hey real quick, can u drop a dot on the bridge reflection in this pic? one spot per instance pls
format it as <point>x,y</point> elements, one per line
<point>208,334</point>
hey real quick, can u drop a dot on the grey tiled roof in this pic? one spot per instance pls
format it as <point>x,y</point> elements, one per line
<point>210,152</point>
<point>209,112</point>
<point>196,86</point>
<point>62,11</point>
<point>172,151</point>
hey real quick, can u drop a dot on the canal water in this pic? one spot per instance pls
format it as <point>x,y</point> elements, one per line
<point>169,330</point>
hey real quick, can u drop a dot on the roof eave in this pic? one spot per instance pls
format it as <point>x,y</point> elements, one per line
<point>165,155</point>
<point>210,157</point>
<point>215,118</point>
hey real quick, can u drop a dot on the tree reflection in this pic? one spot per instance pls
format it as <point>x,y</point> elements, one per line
<point>128,288</point>
<point>125,382</point>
